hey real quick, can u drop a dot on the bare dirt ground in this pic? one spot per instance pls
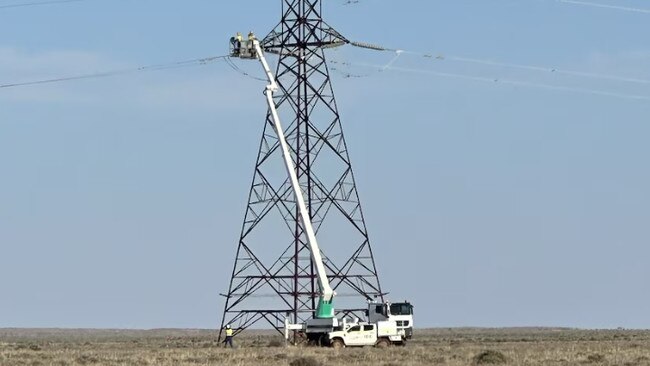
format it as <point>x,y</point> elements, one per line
<point>522,346</point>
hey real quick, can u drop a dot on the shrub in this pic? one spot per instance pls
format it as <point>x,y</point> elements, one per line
<point>305,361</point>
<point>596,358</point>
<point>87,359</point>
<point>275,343</point>
<point>440,360</point>
<point>490,358</point>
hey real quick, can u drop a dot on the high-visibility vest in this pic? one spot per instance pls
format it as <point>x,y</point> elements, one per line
<point>228,332</point>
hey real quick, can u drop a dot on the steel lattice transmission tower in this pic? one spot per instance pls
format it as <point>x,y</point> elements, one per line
<point>273,276</point>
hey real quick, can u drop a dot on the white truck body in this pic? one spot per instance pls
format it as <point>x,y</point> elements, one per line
<point>379,334</point>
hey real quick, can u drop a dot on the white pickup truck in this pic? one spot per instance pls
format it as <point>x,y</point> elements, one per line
<point>381,334</point>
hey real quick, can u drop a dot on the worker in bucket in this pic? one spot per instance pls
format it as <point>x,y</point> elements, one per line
<point>228,341</point>
<point>236,43</point>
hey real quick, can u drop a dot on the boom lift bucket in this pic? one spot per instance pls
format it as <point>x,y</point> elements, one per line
<point>243,49</point>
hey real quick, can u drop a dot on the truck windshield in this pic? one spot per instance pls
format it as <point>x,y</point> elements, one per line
<point>401,309</point>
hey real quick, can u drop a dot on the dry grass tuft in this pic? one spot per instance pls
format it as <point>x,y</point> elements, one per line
<point>87,360</point>
<point>305,361</point>
<point>490,358</point>
<point>596,358</point>
<point>275,343</point>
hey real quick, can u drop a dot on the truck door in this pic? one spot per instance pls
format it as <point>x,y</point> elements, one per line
<point>369,334</point>
<point>353,336</point>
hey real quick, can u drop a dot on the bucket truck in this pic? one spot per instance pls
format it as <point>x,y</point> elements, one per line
<point>325,329</point>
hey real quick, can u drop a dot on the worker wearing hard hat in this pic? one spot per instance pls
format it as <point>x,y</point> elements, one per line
<point>236,43</point>
<point>229,335</point>
<point>251,44</point>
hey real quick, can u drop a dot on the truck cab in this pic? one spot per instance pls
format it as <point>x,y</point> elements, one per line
<point>399,312</point>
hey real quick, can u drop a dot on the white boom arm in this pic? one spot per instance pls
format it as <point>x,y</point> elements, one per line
<point>327,294</point>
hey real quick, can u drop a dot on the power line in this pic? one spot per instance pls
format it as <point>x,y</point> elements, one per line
<point>549,69</point>
<point>554,70</point>
<point>398,53</point>
<point>236,68</point>
<point>36,3</point>
<point>604,6</point>
<point>156,67</point>
<point>507,82</point>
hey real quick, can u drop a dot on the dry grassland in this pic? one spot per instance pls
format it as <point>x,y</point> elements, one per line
<point>454,347</point>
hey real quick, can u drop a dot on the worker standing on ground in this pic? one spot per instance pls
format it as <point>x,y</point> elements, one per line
<point>229,334</point>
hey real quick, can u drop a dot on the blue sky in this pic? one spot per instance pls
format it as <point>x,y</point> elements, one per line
<point>495,195</point>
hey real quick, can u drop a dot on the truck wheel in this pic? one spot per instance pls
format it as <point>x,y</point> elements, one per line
<point>338,344</point>
<point>322,341</point>
<point>382,343</point>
